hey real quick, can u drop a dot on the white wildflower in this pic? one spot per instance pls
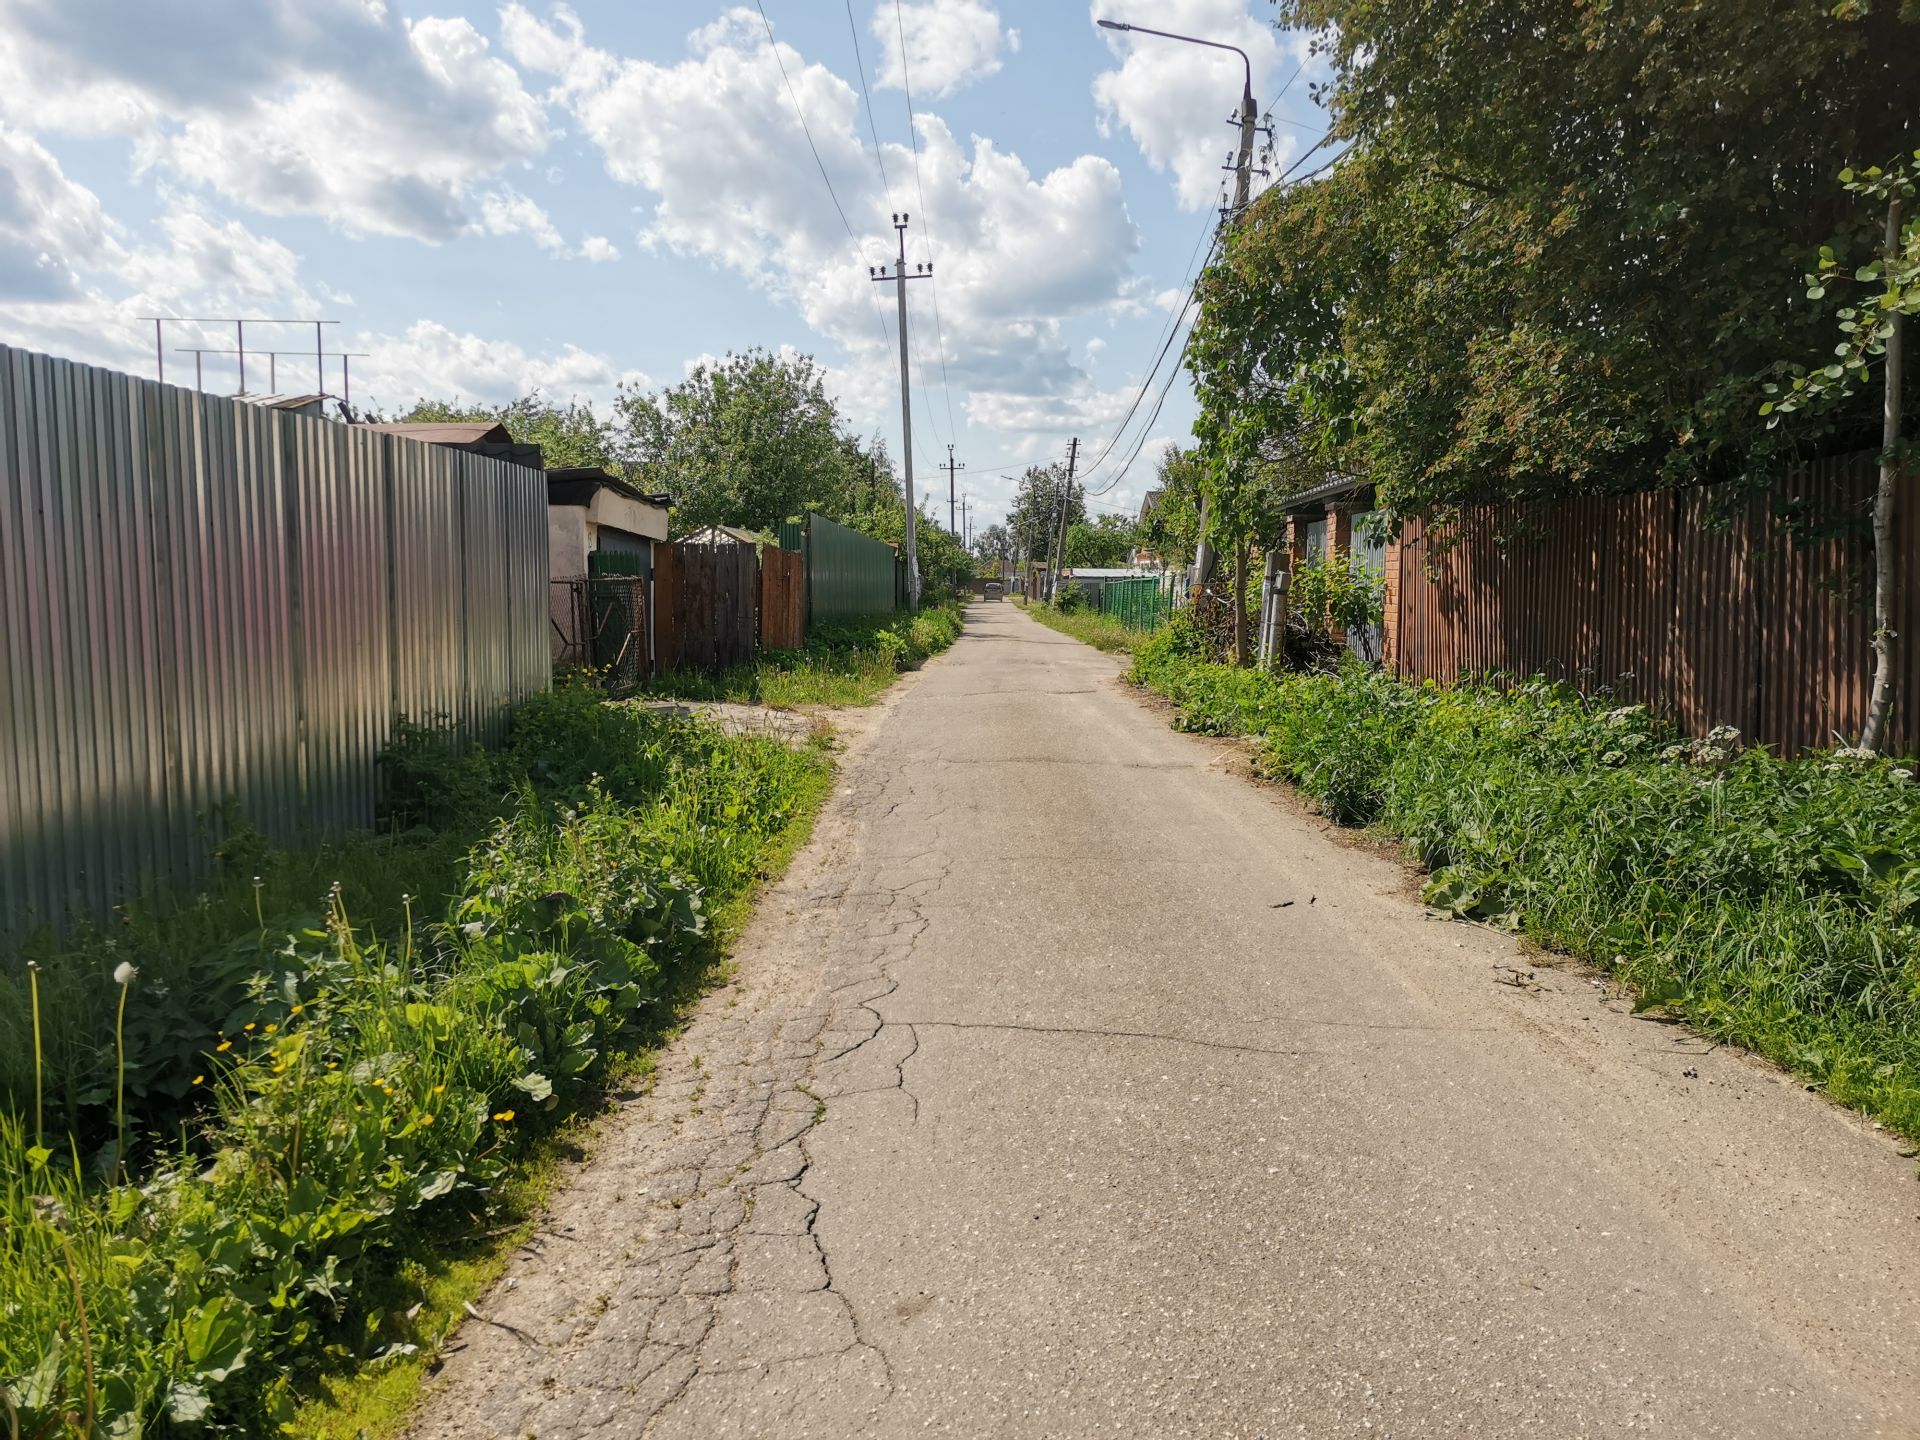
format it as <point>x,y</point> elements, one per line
<point>124,973</point>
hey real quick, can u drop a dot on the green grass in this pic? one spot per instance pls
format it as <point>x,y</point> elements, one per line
<point>364,1403</point>
<point>1090,626</point>
<point>843,663</point>
<point>361,1101</point>
<point>1773,903</point>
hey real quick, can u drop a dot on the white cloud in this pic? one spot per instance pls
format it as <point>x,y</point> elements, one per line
<point>507,212</point>
<point>334,108</point>
<point>598,249</point>
<point>1015,254</point>
<point>48,224</point>
<point>1176,100</point>
<point>429,359</point>
<point>948,44</point>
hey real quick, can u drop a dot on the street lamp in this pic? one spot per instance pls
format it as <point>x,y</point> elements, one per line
<point>1242,191</point>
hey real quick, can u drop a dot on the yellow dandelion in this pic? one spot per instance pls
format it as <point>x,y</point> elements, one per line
<point>426,1119</point>
<point>249,1025</point>
<point>224,1046</point>
<point>439,1089</point>
<point>272,1028</point>
<point>333,1064</point>
<point>503,1116</point>
<point>296,1010</point>
<point>199,1079</point>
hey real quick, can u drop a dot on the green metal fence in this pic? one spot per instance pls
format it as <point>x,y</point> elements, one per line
<point>847,573</point>
<point>1137,604</point>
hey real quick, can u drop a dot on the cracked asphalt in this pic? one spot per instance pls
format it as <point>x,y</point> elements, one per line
<point>1035,1109</point>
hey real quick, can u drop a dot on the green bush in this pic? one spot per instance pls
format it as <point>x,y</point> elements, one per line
<point>350,1096</point>
<point>844,662</point>
<point>1775,903</point>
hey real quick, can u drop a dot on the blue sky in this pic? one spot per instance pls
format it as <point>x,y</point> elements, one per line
<point>494,198</point>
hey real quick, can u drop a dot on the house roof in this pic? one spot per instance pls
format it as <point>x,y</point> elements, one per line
<point>448,432</point>
<point>577,484</point>
<point>284,402</point>
<point>1147,503</point>
<point>720,534</point>
<point>482,437</point>
<point>1326,490</point>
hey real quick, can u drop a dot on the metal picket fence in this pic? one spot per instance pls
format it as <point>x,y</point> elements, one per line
<point>1141,604</point>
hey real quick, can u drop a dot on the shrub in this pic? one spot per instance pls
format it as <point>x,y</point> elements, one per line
<point>350,1099</point>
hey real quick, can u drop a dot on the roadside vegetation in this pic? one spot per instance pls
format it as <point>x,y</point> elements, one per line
<point>1075,618</point>
<point>1772,903</point>
<point>845,663</point>
<point>260,1139</point>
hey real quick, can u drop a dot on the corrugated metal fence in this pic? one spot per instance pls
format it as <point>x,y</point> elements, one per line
<point>203,598</point>
<point>1760,618</point>
<point>848,573</point>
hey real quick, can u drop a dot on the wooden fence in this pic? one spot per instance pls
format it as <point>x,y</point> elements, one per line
<point>783,599</point>
<point>704,600</point>
<point>1760,618</point>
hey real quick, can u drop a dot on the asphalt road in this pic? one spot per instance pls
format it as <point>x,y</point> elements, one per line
<point>1074,1084</point>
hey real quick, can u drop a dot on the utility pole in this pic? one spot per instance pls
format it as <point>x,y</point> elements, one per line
<point>900,278</point>
<point>952,465</point>
<point>1249,121</point>
<point>966,527</point>
<point>1066,505</point>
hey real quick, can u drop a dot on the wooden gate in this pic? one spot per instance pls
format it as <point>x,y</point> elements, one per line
<point>704,601</point>
<point>783,594</point>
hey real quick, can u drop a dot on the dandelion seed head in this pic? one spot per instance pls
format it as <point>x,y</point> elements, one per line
<point>124,973</point>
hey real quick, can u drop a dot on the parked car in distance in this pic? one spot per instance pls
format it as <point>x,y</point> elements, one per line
<point>993,590</point>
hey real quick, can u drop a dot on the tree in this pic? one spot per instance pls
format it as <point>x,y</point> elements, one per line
<point>996,546</point>
<point>1871,330</point>
<point>1551,255</point>
<point>944,565</point>
<point>750,441</point>
<point>569,434</point>
<point>1105,544</point>
<point>1172,526</point>
<point>1034,519</point>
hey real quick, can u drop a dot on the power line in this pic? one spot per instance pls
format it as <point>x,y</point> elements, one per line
<point>825,179</point>
<point>805,129</point>
<point>913,138</point>
<point>1166,339</point>
<point>873,129</point>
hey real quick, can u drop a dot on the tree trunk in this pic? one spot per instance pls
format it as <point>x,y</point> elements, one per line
<point>1240,604</point>
<point>1873,737</point>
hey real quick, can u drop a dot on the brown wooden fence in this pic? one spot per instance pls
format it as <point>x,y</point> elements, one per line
<point>704,600</point>
<point>1659,599</point>
<point>783,599</point>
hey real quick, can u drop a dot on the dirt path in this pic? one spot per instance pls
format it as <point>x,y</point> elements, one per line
<point>1072,1085</point>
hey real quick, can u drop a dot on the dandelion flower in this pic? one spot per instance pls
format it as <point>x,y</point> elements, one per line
<point>272,1028</point>
<point>427,1119</point>
<point>296,1009</point>
<point>439,1089</point>
<point>503,1116</point>
<point>199,1079</point>
<point>249,1025</point>
<point>124,973</point>
<point>224,1046</point>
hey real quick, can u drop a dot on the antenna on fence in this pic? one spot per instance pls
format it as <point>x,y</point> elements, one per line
<point>239,323</point>
<point>273,357</point>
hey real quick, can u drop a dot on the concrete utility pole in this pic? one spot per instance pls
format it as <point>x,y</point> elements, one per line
<point>952,465</point>
<point>1242,192</point>
<point>900,278</point>
<point>1066,506</point>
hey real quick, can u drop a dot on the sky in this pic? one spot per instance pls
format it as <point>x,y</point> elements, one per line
<point>492,199</point>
